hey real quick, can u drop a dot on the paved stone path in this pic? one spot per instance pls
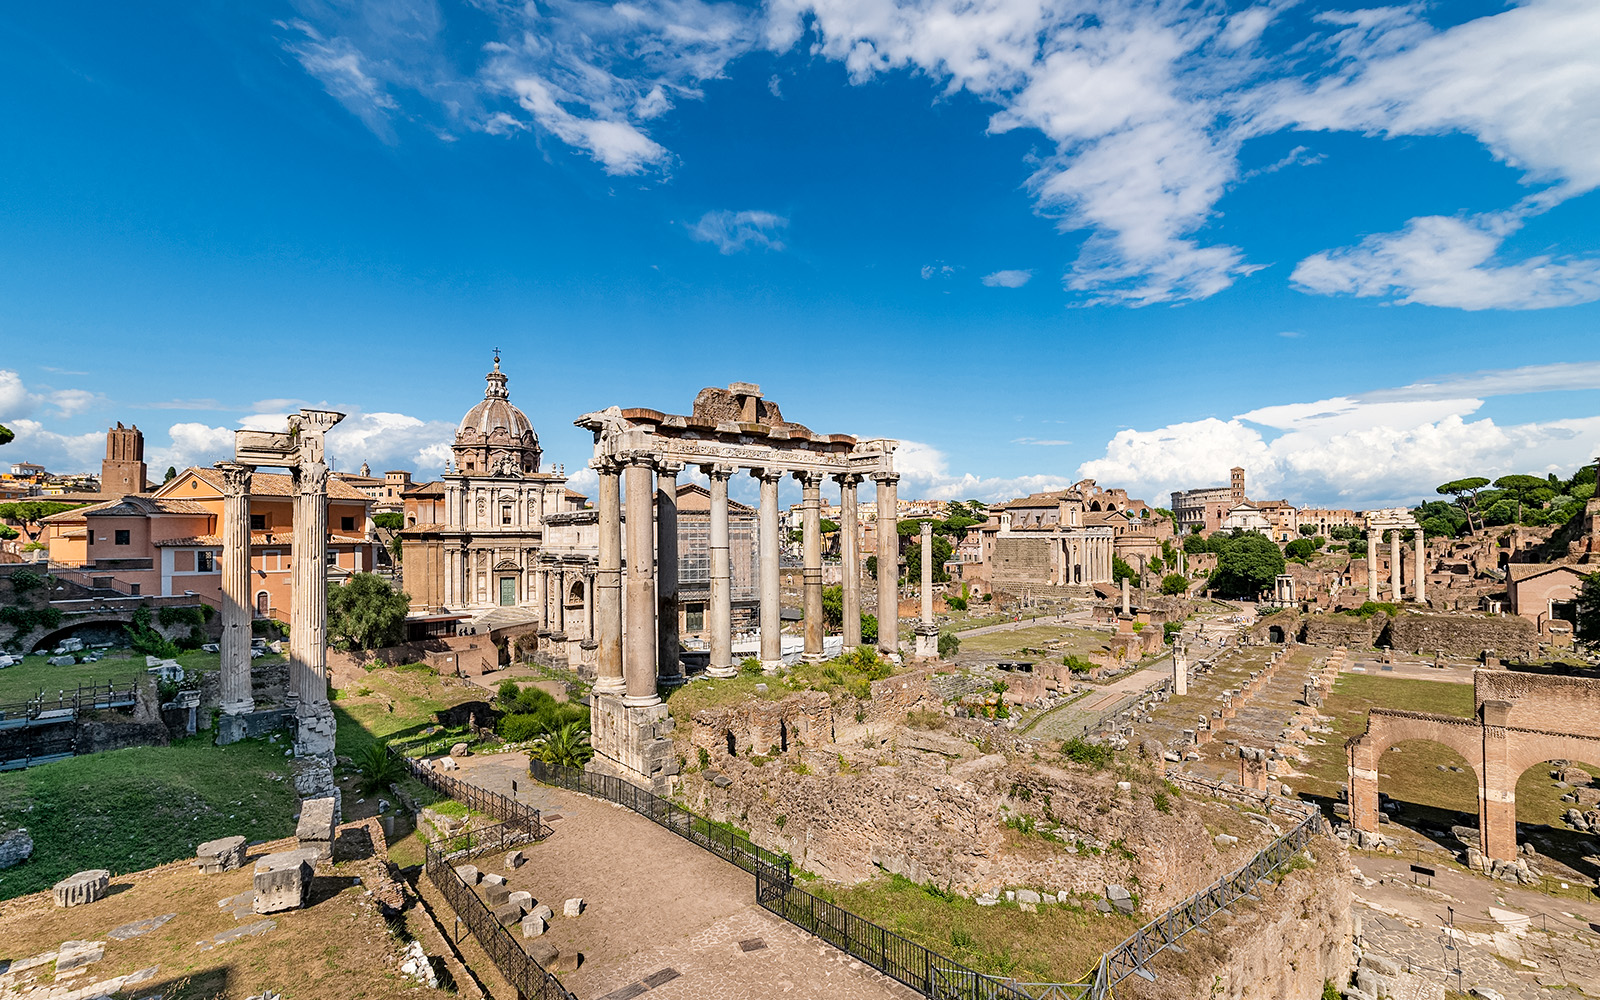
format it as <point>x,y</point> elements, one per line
<point>656,904</point>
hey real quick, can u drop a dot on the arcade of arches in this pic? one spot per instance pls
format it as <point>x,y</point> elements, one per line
<point>1522,720</point>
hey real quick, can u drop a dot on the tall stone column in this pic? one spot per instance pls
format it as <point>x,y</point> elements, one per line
<point>669,667</point>
<point>608,582</point>
<point>308,629</point>
<point>811,534</point>
<point>721,609</point>
<point>558,576</point>
<point>1394,565</point>
<point>1373,539</point>
<point>888,562</point>
<point>927,628</point>
<point>236,604</point>
<point>771,594</point>
<point>850,559</point>
<point>588,607</point>
<point>639,638</point>
<point>1419,579</point>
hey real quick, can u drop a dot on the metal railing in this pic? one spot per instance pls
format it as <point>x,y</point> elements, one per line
<point>85,696</point>
<point>509,811</point>
<point>724,842</point>
<point>530,979</point>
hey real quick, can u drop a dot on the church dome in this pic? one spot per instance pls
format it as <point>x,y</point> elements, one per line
<point>495,437</point>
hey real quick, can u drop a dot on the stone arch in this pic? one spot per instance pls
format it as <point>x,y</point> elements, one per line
<point>1275,633</point>
<point>1523,750</point>
<point>1387,727</point>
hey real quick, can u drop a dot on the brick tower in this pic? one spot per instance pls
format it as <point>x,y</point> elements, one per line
<point>123,471</point>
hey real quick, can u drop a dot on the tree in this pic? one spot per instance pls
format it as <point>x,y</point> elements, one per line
<point>942,550</point>
<point>172,473</point>
<point>1247,565</point>
<point>29,513</point>
<point>397,548</point>
<point>1120,571</point>
<point>1174,584</point>
<point>1525,490</point>
<point>6,437</point>
<point>389,520</point>
<point>366,613</point>
<point>908,528</point>
<point>7,532</point>
<point>1466,493</point>
<point>1300,548</point>
<point>872,566</point>
<point>829,527</point>
<point>833,608</point>
<point>1587,627</point>
<point>869,629</point>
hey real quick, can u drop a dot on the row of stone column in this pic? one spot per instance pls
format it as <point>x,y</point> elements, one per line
<point>551,586</point>
<point>635,661</point>
<point>1419,576</point>
<point>1090,555</point>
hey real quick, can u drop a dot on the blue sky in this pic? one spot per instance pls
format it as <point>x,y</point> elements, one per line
<point>1355,250</point>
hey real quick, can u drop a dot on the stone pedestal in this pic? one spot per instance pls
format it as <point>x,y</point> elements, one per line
<point>632,742</point>
<point>249,725</point>
<point>222,855</point>
<point>318,818</point>
<point>84,887</point>
<point>283,881</point>
<point>927,642</point>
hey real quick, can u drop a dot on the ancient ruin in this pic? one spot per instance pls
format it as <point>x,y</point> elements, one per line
<point>1396,520</point>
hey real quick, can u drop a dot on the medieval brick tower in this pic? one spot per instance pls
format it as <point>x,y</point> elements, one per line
<point>1236,484</point>
<point>123,471</point>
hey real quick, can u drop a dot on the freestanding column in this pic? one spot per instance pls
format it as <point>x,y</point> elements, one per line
<point>236,603</point>
<point>721,610</point>
<point>811,494</point>
<point>1373,538</point>
<point>927,628</point>
<point>639,650</point>
<point>669,668</point>
<point>1419,581</point>
<point>850,559</point>
<point>308,629</point>
<point>771,621</point>
<point>608,583</point>
<point>1394,565</point>
<point>888,562</point>
<point>1180,670</point>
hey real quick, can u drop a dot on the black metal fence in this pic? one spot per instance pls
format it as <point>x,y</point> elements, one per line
<point>67,703</point>
<point>719,839</point>
<point>530,979</point>
<point>494,804</point>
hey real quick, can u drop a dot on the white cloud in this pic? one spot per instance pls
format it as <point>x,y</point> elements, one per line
<point>345,73</point>
<point>52,449</point>
<point>732,232</point>
<point>925,475</point>
<point>1384,447</point>
<point>1440,261</point>
<point>1041,442</point>
<point>1556,377</point>
<point>1007,279</point>
<point>17,400</point>
<point>190,444</point>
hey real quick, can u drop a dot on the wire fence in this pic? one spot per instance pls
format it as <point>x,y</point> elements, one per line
<point>718,838</point>
<point>530,979</point>
<point>507,810</point>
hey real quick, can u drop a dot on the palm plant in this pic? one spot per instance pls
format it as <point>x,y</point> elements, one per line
<point>378,769</point>
<point>566,747</point>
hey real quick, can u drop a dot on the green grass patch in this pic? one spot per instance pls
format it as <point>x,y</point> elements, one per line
<point>132,809</point>
<point>1057,944</point>
<point>395,703</point>
<point>1055,640</point>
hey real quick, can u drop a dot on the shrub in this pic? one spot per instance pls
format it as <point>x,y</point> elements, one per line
<point>565,747</point>
<point>949,645</point>
<point>1076,664</point>
<point>751,667</point>
<point>1088,754</point>
<point>531,713</point>
<point>1169,630</point>
<point>145,639</point>
<point>1174,584</point>
<point>378,769</point>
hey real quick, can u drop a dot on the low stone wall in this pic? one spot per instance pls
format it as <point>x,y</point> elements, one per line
<point>1462,634</point>
<point>1341,630</point>
<point>1285,945</point>
<point>457,656</point>
<point>757,727</point>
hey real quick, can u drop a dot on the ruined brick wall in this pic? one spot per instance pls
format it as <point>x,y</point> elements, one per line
<point>1462,634</point>
<point>1280,947</point>
<point>1341,630</point>
<point>1551,704</point>
<point>1019,562</point>
<point>756,727</point>
<point>894,696</point>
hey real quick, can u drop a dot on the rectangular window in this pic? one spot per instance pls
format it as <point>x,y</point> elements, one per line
<point>258,522</point>
<point>123,537</point>
<point>505,513</point>
<point>347,524</point>
<point>205,562</point>
<point>694,617</point>
<point>333,557</point>
<point>133,589</point>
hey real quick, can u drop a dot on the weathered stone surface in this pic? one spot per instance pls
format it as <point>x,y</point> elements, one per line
<point>490,878</point>
<point>507,914</point>
<point>469,873</point>
<point>138,928</point>
<point>1027,896</point>
<point>543,912</point>
<point>15,848</point>
<point>84,887</point>
<point>76,954</point>
<point>515,860</point>
<point>283,880</point>
<point>522,899</point>
<point>544,953</point>
<point>459,750</point>
<point>1380,964</point>
<point>572,907</point>
<point>496,895</point>
<point>221,855</point>
<point>533,925</point>
<point>318,818</point>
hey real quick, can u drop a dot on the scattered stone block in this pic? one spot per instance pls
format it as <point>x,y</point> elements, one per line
<point>515,860</point>
<point>1047,898</point>
<point>507,914</point>
<point>533,925</point>
<point>317,822</point>
<point>490,878</point>
<point>1225,840</point>
<point>444,764</point>
<point>469,873</point>
<point>283,880</point>
<point>62,661</point>
<point>138,928</point>
<point>15,848</point>
<point>496,895</point>
<point>572,907</point>
<point>522,899</point>
<point>1380,964</point>
<point>1027,896</point>
<point>221,855</point>
<point>460,750</point>
<point>84,887</point>
<point>543,912</point>
<point>77,954</point>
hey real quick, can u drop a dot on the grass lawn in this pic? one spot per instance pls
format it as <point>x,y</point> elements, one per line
<point>1058,944</point>
<point>131,809</point>
<point>395,703</point>
<point>25,680</point>
<point>1058,640</point>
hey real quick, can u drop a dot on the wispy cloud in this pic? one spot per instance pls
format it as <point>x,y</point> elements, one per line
<point>183,404</point>
<point>732,232</point>
<point>1007,279</point>
<point>1044,442</point>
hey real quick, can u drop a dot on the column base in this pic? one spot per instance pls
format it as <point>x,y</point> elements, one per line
<point>669,683</point>
<point>244,707</point>
<point>772,667</point>
<point>610,685</point>
<point>640,700</point>
<point>814,657</point>
<point>631,742</point>
<point>927,642</point>
<point>722,672</point>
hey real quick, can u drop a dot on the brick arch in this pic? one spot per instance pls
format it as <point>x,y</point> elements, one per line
<point>1385,728</point>
<point>1508,758</point>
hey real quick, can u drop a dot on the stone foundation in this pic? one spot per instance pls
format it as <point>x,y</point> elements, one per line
<point>1464,634</point>
<point>632,743</point>
<point>250,725</point>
